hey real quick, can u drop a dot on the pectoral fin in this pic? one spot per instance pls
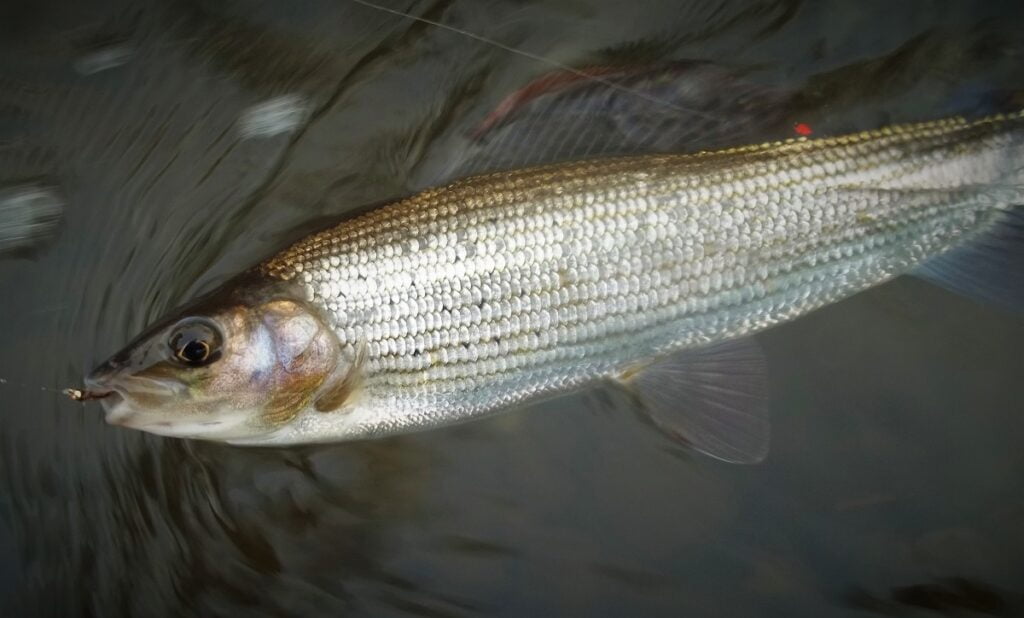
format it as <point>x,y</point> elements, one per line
<point>715,399</point>
<point>343,385</point>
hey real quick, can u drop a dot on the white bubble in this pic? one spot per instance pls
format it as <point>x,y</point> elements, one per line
<point>28,214</point>
<point>281,114</point>
<point>103,59</point>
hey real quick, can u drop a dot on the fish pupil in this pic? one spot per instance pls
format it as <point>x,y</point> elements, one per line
<point>195,351</point>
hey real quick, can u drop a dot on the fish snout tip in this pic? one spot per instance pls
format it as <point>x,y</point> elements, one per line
<point>98,384</point>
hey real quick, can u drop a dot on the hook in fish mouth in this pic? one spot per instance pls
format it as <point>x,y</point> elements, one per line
<point>77,394</point>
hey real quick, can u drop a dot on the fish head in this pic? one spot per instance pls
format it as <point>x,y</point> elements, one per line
<point>239,363</point>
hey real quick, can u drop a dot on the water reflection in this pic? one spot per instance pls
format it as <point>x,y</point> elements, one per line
<point>949,597</point>
<point>895,463</point>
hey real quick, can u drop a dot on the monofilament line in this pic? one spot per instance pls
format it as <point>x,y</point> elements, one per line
<point>45,389</point>
<point>536,57</point>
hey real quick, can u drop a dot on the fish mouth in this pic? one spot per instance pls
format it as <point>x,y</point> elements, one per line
<point>120,412</point>
<point>98,388</point>
<point>87,394</point>
<point>118,394</point>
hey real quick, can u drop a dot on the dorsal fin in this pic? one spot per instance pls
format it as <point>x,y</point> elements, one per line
<point>681,106</point>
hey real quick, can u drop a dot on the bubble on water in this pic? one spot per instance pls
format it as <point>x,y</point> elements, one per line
<point>103,59</point>
<point>281,114</point>
<point>29,213</point>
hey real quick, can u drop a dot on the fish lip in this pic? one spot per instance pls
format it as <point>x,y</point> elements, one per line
<point>153,386</point>
<point>121,413</point>
<point>114,405</point>
<point>106,381</point>
<point>97,394</point>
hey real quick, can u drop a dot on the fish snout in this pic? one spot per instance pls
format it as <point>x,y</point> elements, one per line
<point>103,381</point>
<point>100,385</point>
<point>102,377</point>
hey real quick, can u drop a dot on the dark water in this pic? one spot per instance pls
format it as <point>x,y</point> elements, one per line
<point>896,481</point>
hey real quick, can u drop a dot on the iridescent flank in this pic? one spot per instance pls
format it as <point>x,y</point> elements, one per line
<point>509,286</point>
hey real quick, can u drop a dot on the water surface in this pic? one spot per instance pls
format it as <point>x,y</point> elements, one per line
<point>188,140</point>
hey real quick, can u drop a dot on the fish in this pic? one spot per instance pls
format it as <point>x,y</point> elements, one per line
<point>650,273</point>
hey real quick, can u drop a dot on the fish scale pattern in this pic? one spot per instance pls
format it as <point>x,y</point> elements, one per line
<point>507,286</point>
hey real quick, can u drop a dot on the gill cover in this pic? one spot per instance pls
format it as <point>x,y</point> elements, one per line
<point>238,363</point>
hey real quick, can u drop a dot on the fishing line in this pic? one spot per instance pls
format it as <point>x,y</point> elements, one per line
<point>22,385</point>
<point>538,58</point>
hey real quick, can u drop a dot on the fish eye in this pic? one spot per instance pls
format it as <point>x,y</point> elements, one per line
<point>195,342</point>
